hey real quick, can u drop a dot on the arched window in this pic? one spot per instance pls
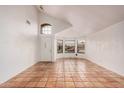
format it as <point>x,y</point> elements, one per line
<point>46,28</point>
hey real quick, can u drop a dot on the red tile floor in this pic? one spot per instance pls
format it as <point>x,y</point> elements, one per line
<point>66,73</point>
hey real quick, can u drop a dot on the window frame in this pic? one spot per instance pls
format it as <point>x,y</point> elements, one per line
<point>62,46</point>
<point>83,46</point>
<point>44,27</point>
<point>65,46</point>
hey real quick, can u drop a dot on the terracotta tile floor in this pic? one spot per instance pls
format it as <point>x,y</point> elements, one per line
<point>66,73</point>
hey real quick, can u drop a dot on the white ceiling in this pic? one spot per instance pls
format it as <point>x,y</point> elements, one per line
<point>86,19</point>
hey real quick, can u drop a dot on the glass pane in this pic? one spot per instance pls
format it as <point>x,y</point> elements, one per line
<point>49,31</point>
<point>43,31</point>
<point>43,28</point>
<point>46,30</point>
<point>59,46</point>
<point>49,28</point>
<point>69,46</point>
<point>80,46</point>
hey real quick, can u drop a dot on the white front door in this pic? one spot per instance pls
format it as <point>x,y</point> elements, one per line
<point>46,45</point>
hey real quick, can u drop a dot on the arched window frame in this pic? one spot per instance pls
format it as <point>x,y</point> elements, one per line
<point>46,28</point>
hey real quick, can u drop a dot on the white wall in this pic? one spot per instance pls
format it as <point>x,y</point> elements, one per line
<point>69,33</point>
<point>106,48</point>
<point>18,40</point>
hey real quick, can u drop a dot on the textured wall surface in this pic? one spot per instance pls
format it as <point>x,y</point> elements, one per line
<point>106,47</point>
<point>18,39</point>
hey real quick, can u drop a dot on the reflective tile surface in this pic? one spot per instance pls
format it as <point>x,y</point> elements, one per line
<point>66,73</point>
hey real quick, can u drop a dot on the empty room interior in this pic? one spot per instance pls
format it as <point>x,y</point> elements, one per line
<point>62,46</point>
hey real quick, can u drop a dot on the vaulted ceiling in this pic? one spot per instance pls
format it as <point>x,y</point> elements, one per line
<point>86,19</point>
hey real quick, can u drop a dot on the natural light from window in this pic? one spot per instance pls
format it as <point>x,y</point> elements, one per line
<point>46,29</point>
